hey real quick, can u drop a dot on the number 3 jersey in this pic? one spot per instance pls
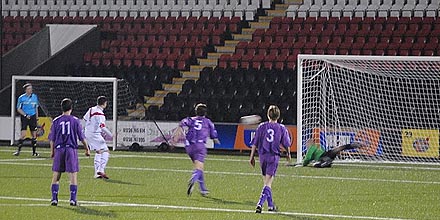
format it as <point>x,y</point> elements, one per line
<point>198,129</point>
<point>65,131</point>
<point>269,136</point>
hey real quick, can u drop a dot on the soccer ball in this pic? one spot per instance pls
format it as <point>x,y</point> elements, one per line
<point>250,119</point>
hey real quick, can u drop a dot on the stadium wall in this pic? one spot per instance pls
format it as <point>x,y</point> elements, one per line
<point>43,64</point>
<point>145,133</point>
<point>25,56</point>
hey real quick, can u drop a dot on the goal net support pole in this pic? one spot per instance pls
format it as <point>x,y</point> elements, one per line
<point>98,80</point>
<point>391,104</point>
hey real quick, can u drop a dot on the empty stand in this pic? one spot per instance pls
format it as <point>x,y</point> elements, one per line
<point>133,8</point>
<point>365,8</point>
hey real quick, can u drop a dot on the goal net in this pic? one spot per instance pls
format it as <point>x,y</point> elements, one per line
<point>82,90</point>
<point>389,104</point>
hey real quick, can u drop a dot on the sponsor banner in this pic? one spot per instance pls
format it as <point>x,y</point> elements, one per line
<point>331,138</point>
<point>226,135</point>
<point>420,143</point>
<point>43,129</point>
<point>147,134</point>
<point>245,134</point>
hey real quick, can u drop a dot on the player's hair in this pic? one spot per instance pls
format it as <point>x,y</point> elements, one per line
<point>101,100</point>
<point>66,104</point>
<point>273,112</point>
<point>26,85</point>
<point>201,109</point>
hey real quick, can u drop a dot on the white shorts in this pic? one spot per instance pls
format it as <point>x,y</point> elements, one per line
<point>96,142</point>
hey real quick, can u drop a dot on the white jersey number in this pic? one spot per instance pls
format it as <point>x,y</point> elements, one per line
<point>198,124</point>
<point>271,133</point>
<point>65,126</point>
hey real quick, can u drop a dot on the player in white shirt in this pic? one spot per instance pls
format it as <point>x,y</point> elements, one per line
<point>96,134</point>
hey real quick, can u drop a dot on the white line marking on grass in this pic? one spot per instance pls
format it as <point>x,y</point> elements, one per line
<point>241,174</point>
<point>24,159</point>
<point>19,205</point>
<point>388,166</point>
<point>337,163</point>
<point>122,204</point>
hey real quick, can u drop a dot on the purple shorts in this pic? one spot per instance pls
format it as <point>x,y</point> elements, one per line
<point>196,152</point>
<point>269,164</point>
<point>65,160</point>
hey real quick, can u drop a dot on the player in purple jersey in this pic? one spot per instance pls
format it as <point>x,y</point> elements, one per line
<point>64,134</point>
<point>197,130</point>
<point>268,138</point>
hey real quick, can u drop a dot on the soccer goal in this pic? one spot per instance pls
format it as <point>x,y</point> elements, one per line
<point>82,90</point>
<point>389,104</point>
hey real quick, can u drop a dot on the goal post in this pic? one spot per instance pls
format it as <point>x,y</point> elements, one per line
<point>390,104</point>
<point>82,90</point>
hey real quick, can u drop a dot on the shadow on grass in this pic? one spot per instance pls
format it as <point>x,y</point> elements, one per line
<point>89,211</point>
<point>228,202</point>
<point>297,217</point>
<point>119,182</point>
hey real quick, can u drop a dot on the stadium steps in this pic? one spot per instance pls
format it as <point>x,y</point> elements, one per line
<point>260,24</point>
<point>281,7</point>
<point>191,75</point>
<point>214,55</point>
<point>225,49</point>
<point>293,2</point>
<point>277,12</point>
<point>242,37</point>
<point>139,112</point>
<point>207,62</point>
<point>231,43</point>
<point>154,100</point>
<point>228,48</point>
<point>265,18</point>
<point>248,31</point>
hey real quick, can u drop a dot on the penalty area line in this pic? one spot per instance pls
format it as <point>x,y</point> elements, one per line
<point>194,208</point>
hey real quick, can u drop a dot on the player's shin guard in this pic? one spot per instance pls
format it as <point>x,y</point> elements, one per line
<point>104,160</point>
<point>263,197</point>
<point>202,182</point>
<point>269,197</point>
<point>34,145</point>
<point>73,190</point>
<point>55,188</point>
<point>97,163</point>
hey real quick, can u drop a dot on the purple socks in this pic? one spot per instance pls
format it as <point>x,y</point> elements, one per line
<point>199,177</point>
<point>269,197</point>
<point>73,189</point>
<point>55,188</point>
<point>202,181</point>
<point>266,194</point>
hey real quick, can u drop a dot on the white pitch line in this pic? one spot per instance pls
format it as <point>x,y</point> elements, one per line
<point>121,204</point>
<point>337,163</point>
<point>388,166</point>
<point>21,205</point>
<point>24,159</point>
<point>242,174</point>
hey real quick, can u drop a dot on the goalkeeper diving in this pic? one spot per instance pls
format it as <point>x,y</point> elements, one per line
<point>322,158</point>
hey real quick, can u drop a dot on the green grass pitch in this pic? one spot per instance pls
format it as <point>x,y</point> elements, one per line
<point>153,186</point>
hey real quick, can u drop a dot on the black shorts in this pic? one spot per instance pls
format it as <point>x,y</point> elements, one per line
<point>32,123</point>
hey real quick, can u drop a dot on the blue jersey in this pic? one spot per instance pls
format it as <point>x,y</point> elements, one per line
<point>65,131</point>
<point>269,137</point>
<point>28,104</point>
<point>198,129</point>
